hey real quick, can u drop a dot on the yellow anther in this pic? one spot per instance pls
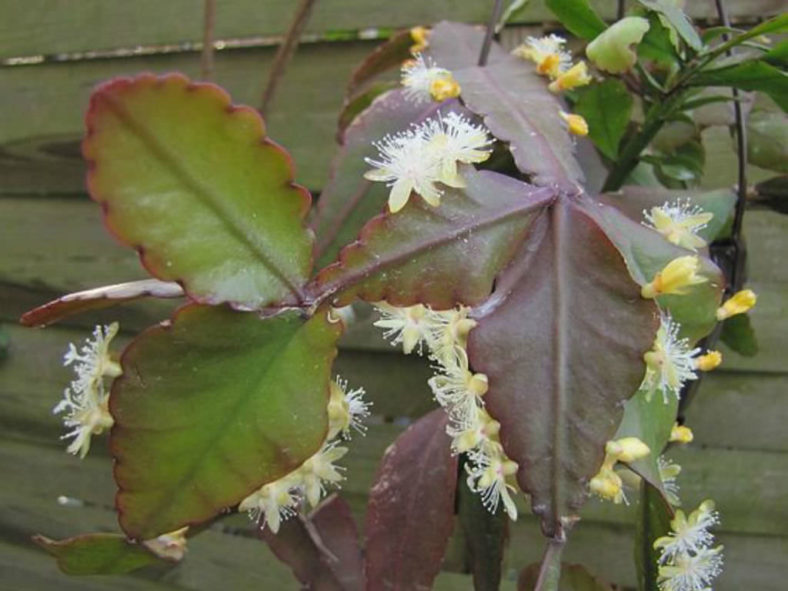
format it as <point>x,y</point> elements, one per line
<point>709,361</point>
<point>550,65</point>
<point>677,276</point>
<point>739,303</point>
<point>577,124</point>
<point>681,434</point>
<point>607,485</point>
<point>443,88</point>
<point>575,76</point>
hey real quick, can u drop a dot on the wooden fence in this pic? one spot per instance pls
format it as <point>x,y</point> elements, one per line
<point>51,241</point>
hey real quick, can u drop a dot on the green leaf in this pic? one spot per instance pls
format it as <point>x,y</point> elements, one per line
<point>646,253</point>
<point>562,341</point>
<point>778,55</point>
<point>97,554</point>
<point>767,140</point>
<point>423,254</point>
<point>656,44</point>
<point>681,167</point>
<point>739,335</point>
<point>612,50</point>
<point>212,406</point>
<point>485,535</point>
<point>574,577</point>
<point>515,103</point>
<point>349,200</point>
<point>98,298</point>
<point>751,75</point>
<point>410,513</point>
<point>193,183</point>
<point>578,17</point>
<point>653,522</point>
<point>651,421</point>
<point>775,25</point>
<point>678,19</point>
<point>607,108</point>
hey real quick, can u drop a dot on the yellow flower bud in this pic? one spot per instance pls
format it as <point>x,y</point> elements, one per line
<point>709,361</point>
<point>678,275</point>
<point>478,384</point>
<point>575,76</point>
<point>577,124</point>
<point>627,449</point>
<point>739,303</point>
<point>681,434</point>
<point>549,66</point>
<point>443,88</point>
<point>607,485</point>
<point>419,35</point>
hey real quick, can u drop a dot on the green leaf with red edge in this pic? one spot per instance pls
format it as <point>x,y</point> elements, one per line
<point>349,200</point>
<point>98,554</point>
<point>212,406</point>
<point>651,421</point>
<point>646,253</point>
<point>193,184</point>
<point>515,103</point>
<point>561,341</point>
<point>574,577</point>
<point>411,507</point>
<point>424,254</point>
<point>358,104</point>
<point>323,549</point>
<point>98,298</point>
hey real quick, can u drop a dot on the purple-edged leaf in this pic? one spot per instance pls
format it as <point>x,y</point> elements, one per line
<point>516,106</point>
<point>424,253</point>
<point>97,554</point>
<point>651,421</point>
<point>561,341</point>
<point>646,253</point>
<point>322,549</point>
<point>574,577</point>
<point>634,200</point>
<point>193,184</point>
<point>349,200</point>
<point>212,406</point>
<point>411,508</point>
<point>456,45</point>
<point>98,298</point>
<point>386,56</point>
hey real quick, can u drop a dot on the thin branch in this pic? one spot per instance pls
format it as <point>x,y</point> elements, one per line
<point>488,37</point>
<point>206,59</point>
<point>620,9</point>
<point>550,571</point>
<point>286,51</point>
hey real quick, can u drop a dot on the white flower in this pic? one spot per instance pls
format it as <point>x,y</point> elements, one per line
<point>273,503</point>
<point>318,470</point>
<point>406,164</point>
<point>454,139</point>
<point>692,572</point>
<point>424,81</point>
<point>689,534</point>
<point>479,432</point>
<point>346,410</point>
<point>679,222</point>
<point>547,53</point>
<point>487,475</point>
<point>85,400</point>
<point>448,329</point>
<point>668,473</point>
<point>459,390</point>
<point>409,326</point>
<point>671,362</point>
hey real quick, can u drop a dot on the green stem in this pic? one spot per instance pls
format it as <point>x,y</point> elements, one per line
<point>550,571</point>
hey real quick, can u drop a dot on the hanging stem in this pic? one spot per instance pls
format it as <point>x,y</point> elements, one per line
<point>206,59</point>
<point>488,37</point>
<point>550,571</point>
<point>286,51</point>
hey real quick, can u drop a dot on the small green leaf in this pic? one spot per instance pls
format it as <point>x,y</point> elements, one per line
<point>612,50</point>
<point>778,55</point>
<point>653,522</point>
<point>211,407</point>
<point>607,108</point>
<point>767,140</point>
<point>97,554</point>
<point>750,75</point>
<point>657,45</point>
<point>775,25</point>
<point>739,335</point>
<point>578,17</point>
<point>678,19</point>
<point>193,184</point>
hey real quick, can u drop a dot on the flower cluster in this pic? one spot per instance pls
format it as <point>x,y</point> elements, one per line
<point>678,276</point>
<point>607,484</point>
<point>668,474</point>
<point>279,500</point>
<point>424,81</point>
<point>671,362</point>
<point>687,560</point>
<point>427,154</point>
<point>679,222</point>
<point>86,399</point>
<point>460,392</point>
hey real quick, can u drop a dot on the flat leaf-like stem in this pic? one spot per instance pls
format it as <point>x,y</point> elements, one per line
<point>411,508</point>
<point>193,184</point>
<point>98,298</point>
<point>97,554</point>
<point>424,253</point>
<point>561,341</point>
<point>211,407</point>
